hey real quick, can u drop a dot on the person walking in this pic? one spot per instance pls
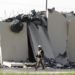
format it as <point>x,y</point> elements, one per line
<point>40,58</point>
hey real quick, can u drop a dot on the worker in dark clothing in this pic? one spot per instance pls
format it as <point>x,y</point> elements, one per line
<point>40,58</point>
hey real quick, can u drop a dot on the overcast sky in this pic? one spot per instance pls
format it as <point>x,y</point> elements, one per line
<point>9,8</point>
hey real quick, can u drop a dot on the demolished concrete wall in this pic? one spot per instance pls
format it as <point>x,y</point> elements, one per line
<point>71,40</point>
<point>57,30</point>
<point>0,51</point>
<point>56,37</point>
<point>38,37</point>
<point>14,46</point>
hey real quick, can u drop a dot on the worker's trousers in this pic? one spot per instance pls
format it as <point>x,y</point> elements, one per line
<point>40,61</point>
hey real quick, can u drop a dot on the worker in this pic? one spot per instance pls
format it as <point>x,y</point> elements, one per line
<point>40,58</point>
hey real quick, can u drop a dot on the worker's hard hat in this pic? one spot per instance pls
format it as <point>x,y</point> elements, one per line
<point>39,46</point>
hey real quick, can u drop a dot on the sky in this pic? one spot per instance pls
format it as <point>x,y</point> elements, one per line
<point>9,8</point>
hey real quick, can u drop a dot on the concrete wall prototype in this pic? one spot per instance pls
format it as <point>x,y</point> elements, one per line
<point>71,40</point>
<point>13,45</point>
<point>57,30</point>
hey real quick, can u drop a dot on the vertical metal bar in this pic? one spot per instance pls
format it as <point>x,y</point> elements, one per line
<point>46,4</point>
